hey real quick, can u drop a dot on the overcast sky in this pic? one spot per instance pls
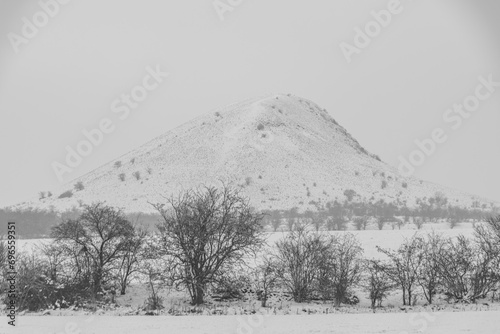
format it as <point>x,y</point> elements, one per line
<point>65,77</point>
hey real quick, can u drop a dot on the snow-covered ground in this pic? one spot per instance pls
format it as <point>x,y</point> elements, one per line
<point>398,323</point>
<point>291,317</point>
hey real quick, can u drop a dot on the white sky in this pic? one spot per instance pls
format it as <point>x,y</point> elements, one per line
<point>395,91</point>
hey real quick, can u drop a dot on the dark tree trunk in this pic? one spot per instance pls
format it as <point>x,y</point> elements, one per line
<point>198,294</point>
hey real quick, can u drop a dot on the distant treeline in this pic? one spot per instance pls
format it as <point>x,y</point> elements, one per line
<point>35,223</point>
<point>427,209</point>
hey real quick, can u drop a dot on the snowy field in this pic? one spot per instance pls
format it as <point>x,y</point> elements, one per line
<point>397,323</point>
<point>369,239</point>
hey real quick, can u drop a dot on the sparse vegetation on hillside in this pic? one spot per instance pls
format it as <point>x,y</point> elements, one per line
<point>66,194</point>
<point>79,186</point>
<point>137,175</point>
<point>349,194</point>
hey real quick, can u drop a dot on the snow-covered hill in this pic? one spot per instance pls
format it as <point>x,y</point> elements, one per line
<point>283,151</point>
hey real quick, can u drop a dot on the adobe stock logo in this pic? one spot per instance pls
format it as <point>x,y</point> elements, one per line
<point>30,28</point>
<point>363,37</point>
<point>121,106</point>
<point>454,117</point>
<point>223,6</point>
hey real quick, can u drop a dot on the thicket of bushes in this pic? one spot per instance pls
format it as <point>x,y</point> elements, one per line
<point>205,239</point>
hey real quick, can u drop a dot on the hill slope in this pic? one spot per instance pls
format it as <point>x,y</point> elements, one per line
<point>283,150</point>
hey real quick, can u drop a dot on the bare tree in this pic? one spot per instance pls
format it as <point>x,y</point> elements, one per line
<point>206,231</point>
<point>488,237</point>
<point>266,278</point>
<point>419,222</point>
<point>101,233</point>
<point>340,268</point>
<point>276,223</point>
<point>360,223</point>
<point>128,261</point>
<point>381,222</point>
<point>299,255</point>
<point>158,268</point>
<point>429,272</point>
<point>54,256</point>
<point>317,220</point>
<point>467,271</point>
<point>378,283</point>
<point>453,222</point>
<point>404,267</point>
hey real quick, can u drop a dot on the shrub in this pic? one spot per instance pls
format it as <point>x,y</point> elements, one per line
<point>467,271</point>
<point>132,160</point>
<point>154,302</point>
<point>121,177</point>
<point>79,186</point>
<point>349,193</point>
<point>232,285</point>
<point>265,279</point>
<point>275,223</point>
<point>118,164</point>
<point>360,223</point>
<point>33,287</point>
<point>337,223</point>
<point>384,184</point>
<point>378,283</point>
<point>380,223</point>
<point>49,194</point>
<point>429,277</point>
<point>66,194</point>
<point>403,268</point>
<point>298,256</point>
<point>248,180</point>
<point>149,170</point>
<point>405,185</point>
<point>260,127</point>
<point>419,222</point>
<point>137,175</point>
<point>41,195</point>
<point>340,269</point>
<point>453,222</point>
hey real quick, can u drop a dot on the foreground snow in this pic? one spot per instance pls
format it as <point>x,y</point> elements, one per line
<point>400,323</point>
